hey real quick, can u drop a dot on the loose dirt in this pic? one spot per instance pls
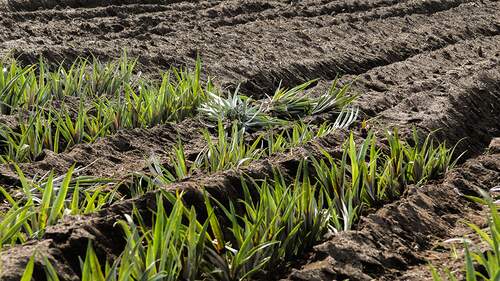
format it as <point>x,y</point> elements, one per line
<point>431,64</point>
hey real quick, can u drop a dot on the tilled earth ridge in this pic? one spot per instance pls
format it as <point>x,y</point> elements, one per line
<point>433,64</point>
<point>114,156</point>
<point>397,236</point>
<point>454,89</point>
<point>67,240</point>
<point>128,151</point>
<point>261,43</point>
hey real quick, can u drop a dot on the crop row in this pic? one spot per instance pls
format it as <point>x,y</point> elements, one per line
<point>72,195</point>
<point>56,110</point>
<point>107,100</point>
<point>254,236</point>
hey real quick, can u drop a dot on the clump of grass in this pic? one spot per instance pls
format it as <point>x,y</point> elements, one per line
<point>46,201</point>
<point>118,103</point>
<point>170,250</point>
<point>297,102</point>
<point>179,171</point>
<point>237,109</point>
<point>178,96</point>
<point>284,104</point>
<point>284,222</point>
<point>228,151</point>
<point>369,176</point>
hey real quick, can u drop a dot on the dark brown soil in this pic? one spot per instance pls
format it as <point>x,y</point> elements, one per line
<point>430,64</point>
<point>256,42</point>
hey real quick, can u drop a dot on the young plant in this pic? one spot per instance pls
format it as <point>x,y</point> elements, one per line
<point>177,97</point>
<point>341,184</point>
<point>179,170</point>
<point>292,102</point>
<point>11,224</point>
<point>235,109</point>
<point>34,135</point>
<point>14,86</point>
<point>228,151</point>
<point>336,98</point>
<point>246,256</point>
<point>488,261</point>
<point>296,102</point>
<point>47,201</point>
<point>427,160</point>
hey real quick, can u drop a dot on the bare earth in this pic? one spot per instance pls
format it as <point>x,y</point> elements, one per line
<point>432,64</point>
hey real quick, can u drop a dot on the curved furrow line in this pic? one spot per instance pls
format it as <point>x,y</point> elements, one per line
<point>402,8</point>
<point>32,5</point>
<point>121,11</point>
<point>357,49</point>
<point>305,10</point>
<point>384,87</point>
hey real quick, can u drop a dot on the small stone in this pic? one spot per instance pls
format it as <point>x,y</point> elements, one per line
<point>494,147</point>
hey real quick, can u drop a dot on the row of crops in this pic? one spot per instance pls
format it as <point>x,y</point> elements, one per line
<point>277,219</point>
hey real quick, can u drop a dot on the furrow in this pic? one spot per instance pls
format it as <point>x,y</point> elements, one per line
<point>31,5</point>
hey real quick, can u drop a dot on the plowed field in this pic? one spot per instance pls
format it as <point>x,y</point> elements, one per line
<point>429,65</point>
